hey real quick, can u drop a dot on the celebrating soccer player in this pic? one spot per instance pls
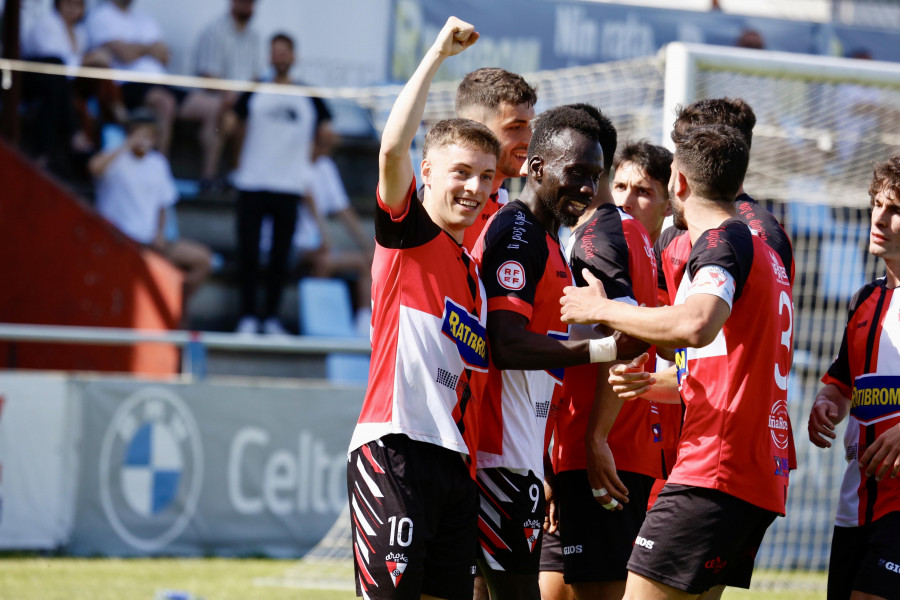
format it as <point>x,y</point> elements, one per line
<point>413,500</point>
<point>864,382</point>
<point>732,322</point>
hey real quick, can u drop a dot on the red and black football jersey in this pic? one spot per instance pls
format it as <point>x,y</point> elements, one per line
<point>736,436</point>
<point>428,334</point>
<point>524,271</point>
<point>494,204</point>
<point>616,249</point>
<point>867,370</point>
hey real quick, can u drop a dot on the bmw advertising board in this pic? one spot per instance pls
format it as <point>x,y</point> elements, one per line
<point>172,469</point>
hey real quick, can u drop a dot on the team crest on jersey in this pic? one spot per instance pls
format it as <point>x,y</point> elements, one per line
<point>780,424</point>
<point>532,530</point>
<point>467,333</point>
<point>396,564</point>
<point>511,275</point>
<point>778,269</point>
<point>657,432</point>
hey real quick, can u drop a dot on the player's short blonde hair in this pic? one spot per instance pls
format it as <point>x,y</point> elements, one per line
<point>461,132</point>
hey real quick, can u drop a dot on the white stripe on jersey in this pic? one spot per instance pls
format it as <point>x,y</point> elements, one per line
<point>373,487</point>
<point>361,517</point>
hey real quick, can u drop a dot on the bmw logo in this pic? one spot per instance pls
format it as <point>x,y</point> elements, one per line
<point>151,468</point>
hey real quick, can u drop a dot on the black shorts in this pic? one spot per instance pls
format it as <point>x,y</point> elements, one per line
<point>134,93</point>
<point>415,509</point>
<point>597,542</point>
<point>510,520</point>
<point>696,538</point>
<point>551,552</point>
<point>866,559</point>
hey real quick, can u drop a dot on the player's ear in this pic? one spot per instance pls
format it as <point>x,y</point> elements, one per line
<point>535,168</point>
<point>426,171</point>
<point>681,184</point>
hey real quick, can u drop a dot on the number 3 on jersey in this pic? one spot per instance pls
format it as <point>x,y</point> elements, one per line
<point>784,302</point>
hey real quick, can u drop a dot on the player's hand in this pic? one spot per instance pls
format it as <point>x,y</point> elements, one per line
<point>602,476</point>
<point>551,518</point>
<point>823,419</point>
<point>629,380</point>
<point>582,304</point>
<point>883,456</point>
<point>456,36</point>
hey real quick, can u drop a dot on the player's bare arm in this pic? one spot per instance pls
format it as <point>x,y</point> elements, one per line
<point>883,456</point>
<point>395,171</point>
<point>514,347</point>
<point>628,381</point>
<point>608,488</point>
<point>829,408</point>
<point>692,324</point>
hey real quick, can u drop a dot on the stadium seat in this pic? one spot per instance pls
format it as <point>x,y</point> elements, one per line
<point>325,310</point>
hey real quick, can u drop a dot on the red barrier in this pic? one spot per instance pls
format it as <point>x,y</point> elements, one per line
<point>63,264</point>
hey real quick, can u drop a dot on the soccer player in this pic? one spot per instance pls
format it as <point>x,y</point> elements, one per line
<point>504,102</point>
<point>863,382</point>
<point>609,452</point>
<point>524,274</point>
<point>639,186</point>
<point>414,502</point>
<point>732,320</point>
<point>671,247</point>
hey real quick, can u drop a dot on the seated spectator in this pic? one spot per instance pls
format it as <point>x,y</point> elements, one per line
<point>228,48</point>
<point>135,188</point>
<point>273,179</point>
<point>136,43</point>
<point>58,36</point>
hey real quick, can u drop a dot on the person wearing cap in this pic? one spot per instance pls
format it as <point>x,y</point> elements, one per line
<point>134,190</point>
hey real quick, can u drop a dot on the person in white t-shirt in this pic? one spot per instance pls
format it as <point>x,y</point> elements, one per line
<point>134,189</point>
<point>273,180</point>
<point>136,43</point>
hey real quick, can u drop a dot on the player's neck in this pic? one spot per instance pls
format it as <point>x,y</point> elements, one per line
<point>702,215</point>
<point>499,178</point>
<point>892,279</point>
<point>529,198</point>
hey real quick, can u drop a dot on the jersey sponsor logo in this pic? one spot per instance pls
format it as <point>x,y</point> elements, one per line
<point>396,564</point>
<point>532,530</point>
<point>681,365</point>
<point>151,468</point>
<point>778,269</point>
<point>559,373</point>
<point>875,397</point>
<point>511,275</point>
<point>782,468</point>
<point>577,549</point>
<point>644,543</point>
<point>467,333</point>
<point>780,424</point>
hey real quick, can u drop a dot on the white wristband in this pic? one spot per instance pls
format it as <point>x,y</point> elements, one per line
<point>603,350</point>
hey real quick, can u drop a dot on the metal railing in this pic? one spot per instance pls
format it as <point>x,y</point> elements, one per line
<point>195,344</point>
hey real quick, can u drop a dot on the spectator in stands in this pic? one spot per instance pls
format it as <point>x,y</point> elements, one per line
<point>229,48</point>
<point>273,179</point>
<point>317,252</point>
<point>136,43</point>
<point>750,38</point>
<point>58,36</point>
<point>135,188</point>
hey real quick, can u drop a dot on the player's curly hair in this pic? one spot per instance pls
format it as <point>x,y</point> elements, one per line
<point>583,118</point>
<point>715,111</point>
<point>713,158</point>
<point>886,178</point>
<point>488,87</point>
<point>463,132</point>
<point>655,161</point>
